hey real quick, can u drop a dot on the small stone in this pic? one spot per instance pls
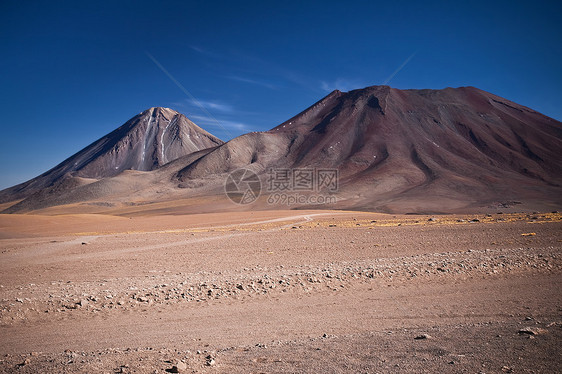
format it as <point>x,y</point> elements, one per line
<point>431,219</point>
<point>532,331</point>
<point>179,367</point>
<point>422,337</point>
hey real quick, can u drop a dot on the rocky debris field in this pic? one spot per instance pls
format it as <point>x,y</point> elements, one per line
<point>32,301</point>
<point>401,294</point>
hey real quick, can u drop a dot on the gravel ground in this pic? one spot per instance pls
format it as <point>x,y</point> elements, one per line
<point>329,292</point>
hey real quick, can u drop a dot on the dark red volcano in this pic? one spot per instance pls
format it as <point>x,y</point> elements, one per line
<point>410,150</point>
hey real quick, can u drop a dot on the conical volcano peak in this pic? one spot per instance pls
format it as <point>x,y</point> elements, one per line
<point>158,110</point>
<point>151,139</point>
<point>147,141</point>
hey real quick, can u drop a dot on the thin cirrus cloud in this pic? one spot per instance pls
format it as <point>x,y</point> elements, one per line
<point>247,65</point>
<point>254,82</point>
<point>343,84</point>
<point>213,114</point>
<point>340,84</point>
<point>229,124</point>
<point>214,105</point>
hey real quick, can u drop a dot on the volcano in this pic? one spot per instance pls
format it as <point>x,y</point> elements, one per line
<point>145,142</point>
<point>401,151</point>
<point>410,150</point>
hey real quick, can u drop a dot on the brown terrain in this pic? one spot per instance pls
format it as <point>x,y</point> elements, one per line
<point>454,150</point>
<point>281,291</point>
<point>440,251</point>
<point>145,142</point>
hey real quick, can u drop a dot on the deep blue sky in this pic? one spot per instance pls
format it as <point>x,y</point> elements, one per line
<point>70,72</point>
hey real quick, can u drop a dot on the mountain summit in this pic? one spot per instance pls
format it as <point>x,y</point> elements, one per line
<point>147,141</point>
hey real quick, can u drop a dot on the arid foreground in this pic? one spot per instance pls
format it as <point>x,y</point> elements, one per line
<point>285,291</point>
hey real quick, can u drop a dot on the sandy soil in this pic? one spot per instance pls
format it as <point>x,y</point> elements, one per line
<point>284,291</point>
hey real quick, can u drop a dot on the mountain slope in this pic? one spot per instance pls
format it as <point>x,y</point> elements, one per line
<point>401,150</point>
<point>145,142</point>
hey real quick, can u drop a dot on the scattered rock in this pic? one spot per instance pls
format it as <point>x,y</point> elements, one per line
<point>431,220</point>
<point>422,337</point>
<point>210,360</point>
<point>27,361</point>
<point>532,331</point>
<point>179,367</point>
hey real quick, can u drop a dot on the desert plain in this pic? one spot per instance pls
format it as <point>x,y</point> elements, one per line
<point>281,292</point>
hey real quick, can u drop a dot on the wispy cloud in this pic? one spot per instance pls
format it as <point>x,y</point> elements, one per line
<point>215,105</point>
<point>246,67</point>
<point>235,126</point>
<point>387,80</point>
<point>341,84</point>
<point>254,82</point>
<point>189,95</point>
<point>223,116</point>
<point>196,48</point>
<point>205,52</point>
